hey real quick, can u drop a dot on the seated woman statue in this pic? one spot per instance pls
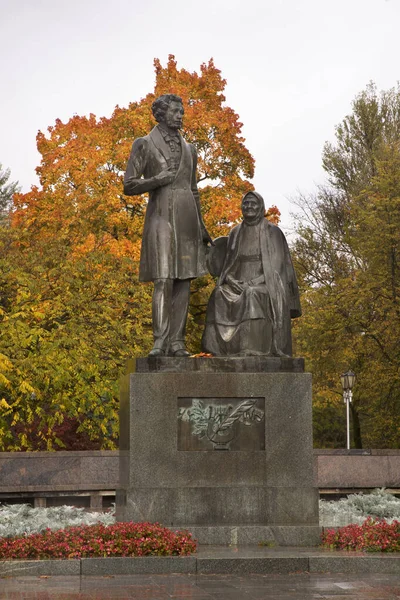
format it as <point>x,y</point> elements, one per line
<point>250,310</point>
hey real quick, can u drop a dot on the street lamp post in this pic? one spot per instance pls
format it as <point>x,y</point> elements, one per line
<point>348,380</point>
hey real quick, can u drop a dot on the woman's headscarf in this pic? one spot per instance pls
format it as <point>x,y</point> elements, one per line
<point>260,209</point>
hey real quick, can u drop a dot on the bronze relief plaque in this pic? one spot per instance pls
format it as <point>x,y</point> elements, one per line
<point>221,424</point>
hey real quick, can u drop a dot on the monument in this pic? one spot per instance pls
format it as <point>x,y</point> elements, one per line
<point>221,446</point>
<point>256,297</point>
<point>174,235</point>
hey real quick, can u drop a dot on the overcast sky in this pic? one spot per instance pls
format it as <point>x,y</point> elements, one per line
<point>293,68</point>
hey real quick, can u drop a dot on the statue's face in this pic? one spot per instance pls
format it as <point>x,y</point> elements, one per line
<point>174,114</point>
<point>250,206</point>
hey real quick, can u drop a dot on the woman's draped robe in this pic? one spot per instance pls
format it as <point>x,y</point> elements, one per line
<point>256,321</point>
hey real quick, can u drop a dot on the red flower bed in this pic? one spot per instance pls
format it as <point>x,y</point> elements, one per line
<point>371,536</point>
<point>121,539</point>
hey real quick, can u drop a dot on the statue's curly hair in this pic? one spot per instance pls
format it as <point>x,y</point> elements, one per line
<point>160,105</point>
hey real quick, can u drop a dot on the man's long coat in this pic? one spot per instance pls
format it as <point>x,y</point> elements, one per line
<point>172,244</point>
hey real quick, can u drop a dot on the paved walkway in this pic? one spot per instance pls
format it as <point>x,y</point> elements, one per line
<point>300,586</point>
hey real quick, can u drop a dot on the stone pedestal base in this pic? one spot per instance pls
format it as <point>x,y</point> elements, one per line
<point>254,535</point>
<point>226,454</point>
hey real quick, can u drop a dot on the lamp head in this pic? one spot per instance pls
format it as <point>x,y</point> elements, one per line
<point>348,380</point>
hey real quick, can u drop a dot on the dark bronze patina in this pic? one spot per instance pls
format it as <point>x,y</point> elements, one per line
<point>250,310</point>
<point>174,235</point>
<point>221,424</point>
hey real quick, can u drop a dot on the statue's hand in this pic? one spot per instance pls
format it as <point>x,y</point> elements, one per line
<point>165,177</point>
<point>236,285</point>
<point>207,239</point>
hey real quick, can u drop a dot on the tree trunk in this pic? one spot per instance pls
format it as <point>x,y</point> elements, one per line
<point>356,427</point>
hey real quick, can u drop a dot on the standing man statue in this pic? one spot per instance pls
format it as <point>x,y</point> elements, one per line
<point>174,234</point>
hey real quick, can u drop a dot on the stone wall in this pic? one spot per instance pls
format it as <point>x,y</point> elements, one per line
<point>23,472</point>
<point>354,469</point>
<point>58,471</point>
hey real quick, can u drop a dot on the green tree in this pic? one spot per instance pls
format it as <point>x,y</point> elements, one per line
<point>347,254</point>
<point>73,311</point>
<point>7,190</point>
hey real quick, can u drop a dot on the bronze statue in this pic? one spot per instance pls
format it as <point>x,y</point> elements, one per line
<point>250,311</point>
<point>174,235</point>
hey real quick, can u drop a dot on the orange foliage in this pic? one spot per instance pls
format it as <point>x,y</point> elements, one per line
<point>78,311</point>
<point>273,214</point>
<point>83,162</point>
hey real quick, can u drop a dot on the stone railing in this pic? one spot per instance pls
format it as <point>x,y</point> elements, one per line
<point>357,469</point>
<point>88,476</point>
<point>91,477</point>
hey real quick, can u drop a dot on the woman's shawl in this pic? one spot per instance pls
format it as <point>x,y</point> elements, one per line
<point>279,274</point>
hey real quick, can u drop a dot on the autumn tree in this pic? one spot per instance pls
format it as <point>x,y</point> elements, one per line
<point>347,255</point>
<point>75,311</point>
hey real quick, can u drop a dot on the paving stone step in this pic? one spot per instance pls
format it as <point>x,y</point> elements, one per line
<point>233,560</point>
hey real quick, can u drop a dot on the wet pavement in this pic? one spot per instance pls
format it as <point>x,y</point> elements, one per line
<point>295,586</point>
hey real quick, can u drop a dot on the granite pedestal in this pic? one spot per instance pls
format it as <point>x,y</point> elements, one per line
<point>222,447</point>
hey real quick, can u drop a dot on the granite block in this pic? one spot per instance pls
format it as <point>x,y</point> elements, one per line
<point>244,535</point>
<point>243,566</point>
<point>293,506</point>
<point>37,568</point>
<point>27,472</point>
<point>289,460</point>
<point>217,364</point>
<point>227,505</point>
<point>19,470</point>
<point>344,451</point>
<point>272,484</point>
<point>150,422</point>
<point>355,564</point>
<point>103,471</point>
<point>302,536</point>
<point>42,471</point>
<point>385,452</point>
<point>238,560</point>
<point>362,471</point>
<point>247,535</point>
<point>138,565</point>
